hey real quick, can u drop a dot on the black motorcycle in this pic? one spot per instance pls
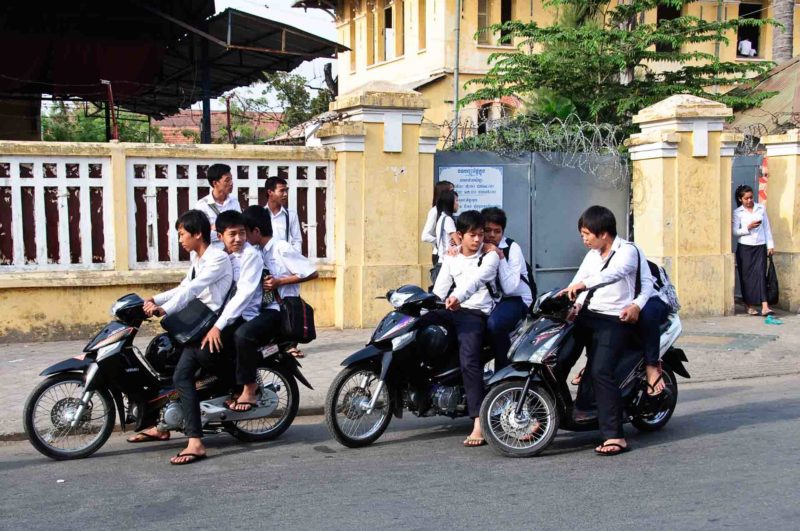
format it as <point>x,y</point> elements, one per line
<point>71,414</point>
<point>527,403</point>
<point>407,364</point>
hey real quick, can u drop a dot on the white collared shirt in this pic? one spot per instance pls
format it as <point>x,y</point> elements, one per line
<point>470,280</point>
<point>511,271</point>
<point>283,260</point>
<point>247,265</point>
<point>445,226</point>
<point>429,230</point>
<point>204,205</point>
<point>212,280</point>
<point>758,236</point>
<point>279,232</point>
<point>616,284</point>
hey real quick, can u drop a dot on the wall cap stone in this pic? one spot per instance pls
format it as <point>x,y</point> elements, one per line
<point>790,136</point>
<point>682,106</point>
<point>380,94</point>
<point>652,137</point>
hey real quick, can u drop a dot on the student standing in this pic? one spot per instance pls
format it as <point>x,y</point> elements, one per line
<point>469,273</point>
<point>446,233</point>
<point>219,200</point>
<point>429,230</point>
<point>754,244</point>
<point>285,223</point>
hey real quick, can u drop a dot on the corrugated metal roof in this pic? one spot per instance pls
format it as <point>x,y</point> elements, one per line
<point>779,112</point>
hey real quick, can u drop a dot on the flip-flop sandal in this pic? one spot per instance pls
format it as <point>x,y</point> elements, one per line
<point>144,437</point>
<point>474,442</point>
<point>652,386</point>
<point>768,313</point>
<point>578,378</point>
<point>296,352</point>
<point>754,313</point>
<point>528,437</point>
<point>194,458</point>
<point>620,449</point>
<point>231,407</point>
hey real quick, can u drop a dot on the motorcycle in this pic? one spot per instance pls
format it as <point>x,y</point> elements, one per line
<point>407,364</point>
<point>71,414</point>
<point>527,404</point>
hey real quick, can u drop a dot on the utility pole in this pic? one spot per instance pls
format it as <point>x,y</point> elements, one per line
<point>455,69</point>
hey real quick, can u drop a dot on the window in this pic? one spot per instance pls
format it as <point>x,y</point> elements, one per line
<point>748,37</point>
<point>666,13</point>
<point>483,21</point>
<point>484,117</point>
<point>388,34</point>
<point>422,15</point>
<point>506,15</point>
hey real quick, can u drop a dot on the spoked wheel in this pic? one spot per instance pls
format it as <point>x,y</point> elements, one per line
<point>281,389</point>
<point>347,403</point>
<point>523,434</point>
<point>658,418</point>
<point>51,409</point>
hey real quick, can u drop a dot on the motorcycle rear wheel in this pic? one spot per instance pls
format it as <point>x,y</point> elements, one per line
<point>46,418</point>
<point>344,413</point>
<point>660,420</point>
<point>513,436</point>
<point>268,428</point>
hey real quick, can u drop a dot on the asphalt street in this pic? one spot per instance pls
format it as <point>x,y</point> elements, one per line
<point>729,458</point>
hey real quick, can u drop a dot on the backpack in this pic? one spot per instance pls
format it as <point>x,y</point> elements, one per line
<point>530,282</point>
<point>662,284</point>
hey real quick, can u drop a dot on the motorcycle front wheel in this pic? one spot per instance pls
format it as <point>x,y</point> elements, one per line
<point>346,407</point>
<point>266,428</point>
<point>523,434</point>
<point>51,409</point>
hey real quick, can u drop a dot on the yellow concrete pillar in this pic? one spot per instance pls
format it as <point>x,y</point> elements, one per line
<point>783,210</point>
<point>383,185</point>
<point>681,199</point>
<point>119,191</point>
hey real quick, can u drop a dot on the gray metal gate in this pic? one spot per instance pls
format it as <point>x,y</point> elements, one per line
<point>746,170</point>
<point>543,202</point>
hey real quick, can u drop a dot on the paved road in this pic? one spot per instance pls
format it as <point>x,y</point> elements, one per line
<point>729,458</point>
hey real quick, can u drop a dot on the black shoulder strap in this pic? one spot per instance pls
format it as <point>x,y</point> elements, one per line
<point>193,273</point>
<point>213,206</point>
<point>590,294</point>
<point>286,215</point>
<point>528,268</point>
<point>638,288</point>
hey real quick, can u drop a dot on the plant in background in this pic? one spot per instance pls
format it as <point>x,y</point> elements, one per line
<point>65,122</point>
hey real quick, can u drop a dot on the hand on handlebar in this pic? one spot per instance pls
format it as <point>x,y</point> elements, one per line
<point>152,309</point>
<point>452,303</point>
<point>572,290</point>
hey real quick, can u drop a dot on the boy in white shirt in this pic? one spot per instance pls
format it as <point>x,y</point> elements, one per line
<point>470,274</point>
<point>516,291</point>
<point>219,200</point>
<point>285,223</point>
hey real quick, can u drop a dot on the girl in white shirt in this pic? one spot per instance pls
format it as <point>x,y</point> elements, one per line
<point>754,244</point>
<point>446,234</point>
<point>429,230</point>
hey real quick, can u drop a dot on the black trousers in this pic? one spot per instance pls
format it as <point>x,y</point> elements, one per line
<point>193,358</point>
<point>251,336</point>
<point>652,316</point>
<point>607,338</point>
<point>470,326</point>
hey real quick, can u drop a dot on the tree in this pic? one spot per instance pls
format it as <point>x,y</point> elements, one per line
<point>605,62</point>
<point>65,122</point>
<point>783,37</point>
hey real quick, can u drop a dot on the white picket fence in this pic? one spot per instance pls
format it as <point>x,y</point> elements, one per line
<point>36,177</point>
<point>183,179</point>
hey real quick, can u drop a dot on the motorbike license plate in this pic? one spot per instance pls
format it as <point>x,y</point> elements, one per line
<point>268,350</point>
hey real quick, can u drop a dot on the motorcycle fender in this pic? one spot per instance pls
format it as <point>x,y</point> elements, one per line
<point>120,402</point>
<point>291,364</point>
<point>510,372</point>
<point>69,365</point>
<point>366,353</point>
<point>675,357</point>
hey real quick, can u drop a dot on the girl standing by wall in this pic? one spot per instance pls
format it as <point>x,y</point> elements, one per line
<point>754,244</point>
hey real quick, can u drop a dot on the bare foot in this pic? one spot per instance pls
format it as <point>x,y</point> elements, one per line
<point>534,431</point>
<point>247,400</point>
<point>193,451</point>
<point>612,446</point>
<point>149,435</point>
<point>655,381</point>
<point>476,437</point>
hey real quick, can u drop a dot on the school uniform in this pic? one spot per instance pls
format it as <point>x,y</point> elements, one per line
<point>286,227</point>
<point>445,226</point>
<point>281,260</point>
<point>471,278</point>
<point>515,299</point>
<point>429,233</point>
<point>751,252</point>
<point>208,206</point>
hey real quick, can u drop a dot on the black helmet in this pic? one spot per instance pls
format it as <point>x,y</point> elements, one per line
<point>162,355</point>
<point>434,340</point>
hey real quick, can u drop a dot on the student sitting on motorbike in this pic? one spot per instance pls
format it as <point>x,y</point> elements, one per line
<point>463,284</point>
<point>209,279</point>
<point>284,268</point>
<point>610,306</point>
<point>513,282</point>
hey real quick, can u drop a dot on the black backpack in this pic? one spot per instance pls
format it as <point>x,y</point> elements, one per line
<point>530,282</point>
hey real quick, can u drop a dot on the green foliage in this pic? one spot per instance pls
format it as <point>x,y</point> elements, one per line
<point>69,123</point>
<point>603,61</point>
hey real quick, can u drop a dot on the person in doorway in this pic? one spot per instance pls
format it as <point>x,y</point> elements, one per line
<point>209,279</point>
<point>746,49</point>
<point>606,283</point>
<point>446,233</point>
<point>429,230</point>
<point>285,223</point>
<point>219,199</point>
<point>754,244</point>
<point>471,273</point>
<point>515,293</point>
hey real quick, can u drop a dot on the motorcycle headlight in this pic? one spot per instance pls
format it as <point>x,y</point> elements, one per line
<point>398,299</point>
<point>543,349</point>
<point>108,350</point>
<point>402,340</point>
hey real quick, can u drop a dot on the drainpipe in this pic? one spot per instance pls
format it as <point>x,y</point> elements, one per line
<point>455,70</point>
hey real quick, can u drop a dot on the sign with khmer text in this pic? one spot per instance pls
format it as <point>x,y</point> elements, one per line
<point>478,187</point>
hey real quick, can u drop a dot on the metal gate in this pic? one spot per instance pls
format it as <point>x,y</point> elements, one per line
<point>543,202</point>
<point>746,170</point>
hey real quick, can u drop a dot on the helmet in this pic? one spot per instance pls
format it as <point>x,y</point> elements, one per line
<point>434,340</point>
<point>162,355</point>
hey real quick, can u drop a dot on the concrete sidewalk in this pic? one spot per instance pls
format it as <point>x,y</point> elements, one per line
<point>720,348</point>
